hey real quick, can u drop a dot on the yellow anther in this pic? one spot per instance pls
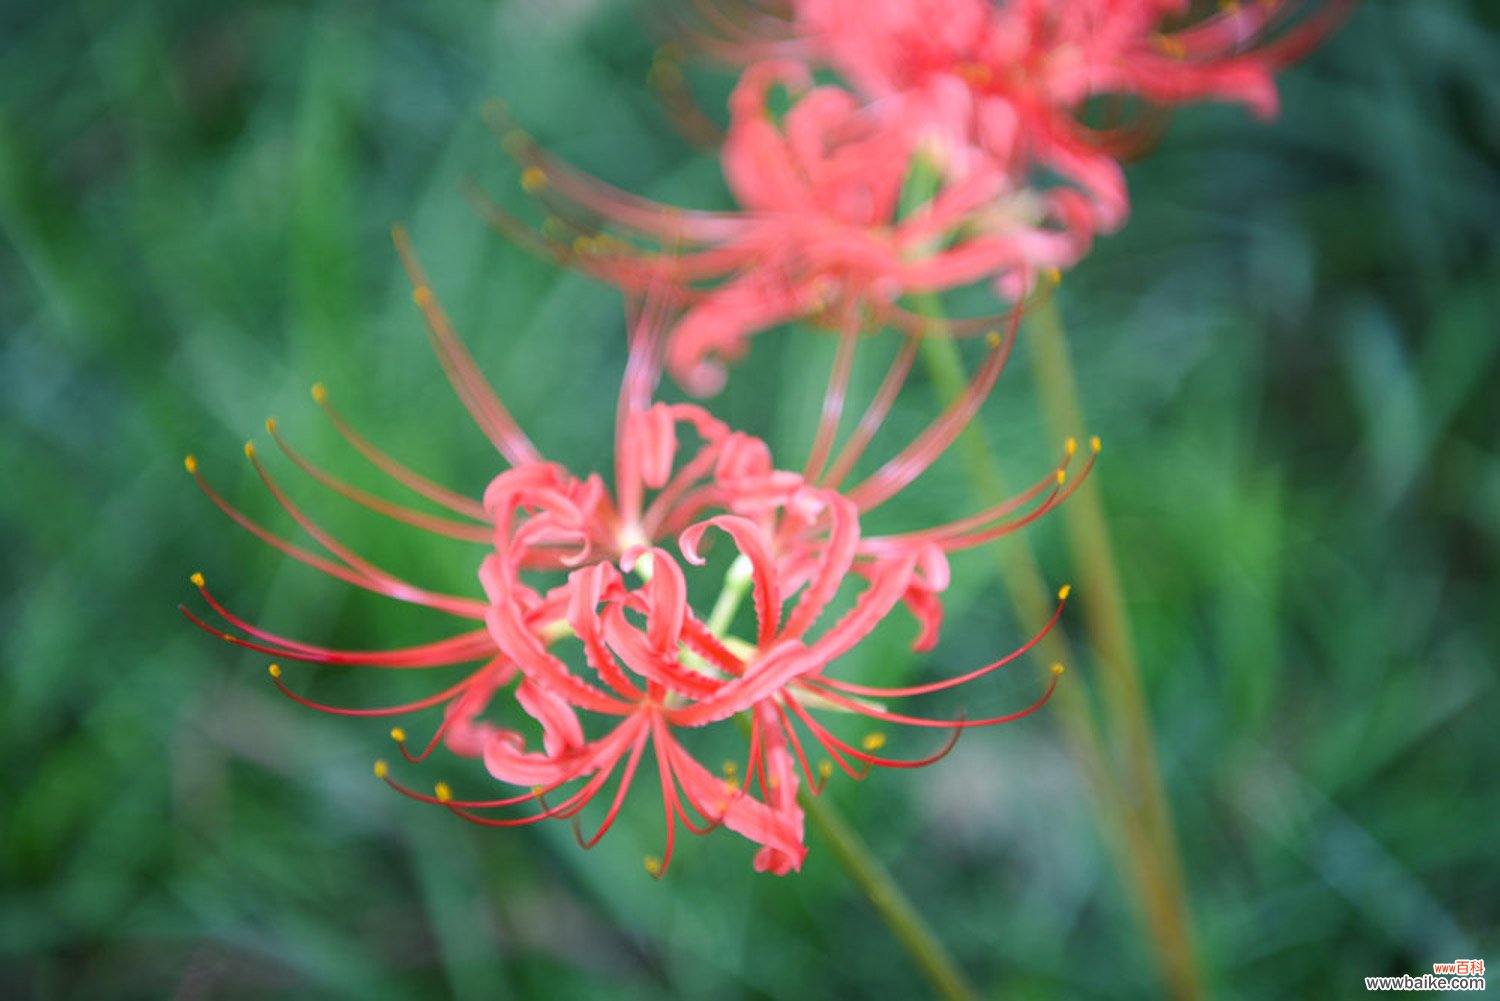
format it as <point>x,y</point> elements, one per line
<point>319,393</point>
<point>249,449</point>
<point>1062,477</point>
<point>1071,446</point>
<point>1064,591</point>
<point>1057,669</point>
<point>197,579</point>
<point>422,296</point>
<point>538,790</point>
<point>992,338</point>
<point>730,768</point>
<point>825,769</point>
<point>190,463</point>
<point>1053,275</point>
<point>443,792</point>
<point>533,179</point>
<point>1095,444</point>
<point>582,245</point>
<point>1167,45</point>
<point>398,734</point>
<point>873,741</point>
<point>382,769</point>
<point>271,424</point>
<point>653,865</point>
<point>274,670</point>
<point>665,73</point>
<point>977,74</point>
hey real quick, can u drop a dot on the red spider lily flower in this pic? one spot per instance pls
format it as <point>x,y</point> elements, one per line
<point>1007,82</point>
<point>674,674</point>
<point>585,619</point>
<point>821,228</point>
<point>1022,70</point>
<point>680,671</point>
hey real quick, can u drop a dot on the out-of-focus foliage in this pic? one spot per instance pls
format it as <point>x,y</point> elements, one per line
<point>1292,350</point>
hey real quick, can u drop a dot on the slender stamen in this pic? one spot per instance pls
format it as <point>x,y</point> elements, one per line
<point>453,606</point>
<point>564,187</point>
<point>874,415</point>
<point>666,503</point>
<point>443,794</point>
<point>482,403</point>
<point>849,688</point>
<point>668,796</point>
<point>1063,488</point>
<point>397,512</point>
<point>394,586</point>
<point>711,820</point>
<point>754,766</point>
<point>399,736</point>
<point>731,792</point>
<point>444,653</point>
<point>834,745</point>
<point>455,502</point>
<point>565,809</point>
<point>626,777</point>
<point>890,717</point>
<point>406,707</point>
<point>791,735</point>
<point>912,461</point>
<point>666,78</point>
<point>449,718</point>
<point>834,396</point>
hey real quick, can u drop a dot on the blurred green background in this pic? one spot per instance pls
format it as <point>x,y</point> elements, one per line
<point>1291,351</point>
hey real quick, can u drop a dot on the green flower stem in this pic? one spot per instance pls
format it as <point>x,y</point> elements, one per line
<point>736,583</point>
<point>1134,811</point>
<point>1108,625</point>
<point>893,906</point>
<point>867,872</point>
<point>1105,614</point>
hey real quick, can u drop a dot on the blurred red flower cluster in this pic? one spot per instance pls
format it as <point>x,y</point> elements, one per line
<point>952,151</point>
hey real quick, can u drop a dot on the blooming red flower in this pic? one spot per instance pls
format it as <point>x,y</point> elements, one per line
<point>988,98</point>
<point>829,224</point>
<point>1019,72</point>
<point>1007,82</point>
<point>586,620</point>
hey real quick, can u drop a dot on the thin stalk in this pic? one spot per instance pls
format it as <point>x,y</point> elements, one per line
<point>1108,624</point>
<point>736,583</point>
<point>1147,860</point>
<point>890,903</point>
<point>866,871</point>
